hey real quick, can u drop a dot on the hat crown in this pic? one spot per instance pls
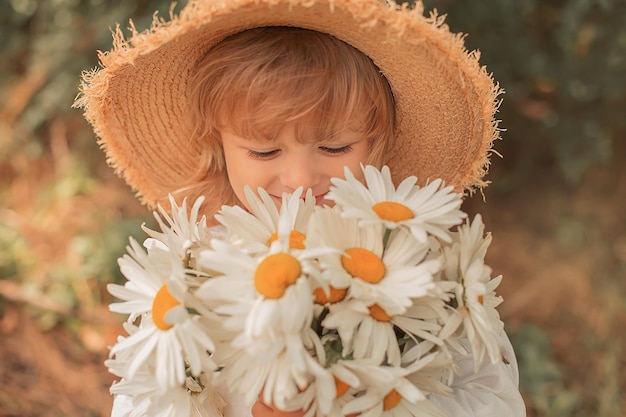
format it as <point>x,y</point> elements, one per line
<point>445,101</point>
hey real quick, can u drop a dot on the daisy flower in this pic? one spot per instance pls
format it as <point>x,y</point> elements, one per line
<point>181,232</point>
<point>167,351</point>
<point>329,229</point>
<point>407,274</point>
<point>432,209</point>
<point>265,294</point>
<point>368,331</point>
<point>146,396</point>
<point>146,274</point>
<point>267,302</point>
<point>475,290</point>
<point>169,335</point>
<point>390,394</point>
<point>389,276</point>
<point>118,365</point>
<point>257,229</point>
<point>280,375</point>
<point>365,332</point>
<point>190,399</point>
<point>433,376</point>
<point>268,294</point>
<point>331,389</point>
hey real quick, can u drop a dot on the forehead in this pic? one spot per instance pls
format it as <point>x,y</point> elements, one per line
<point>267,123</point>
<point>301,131</point>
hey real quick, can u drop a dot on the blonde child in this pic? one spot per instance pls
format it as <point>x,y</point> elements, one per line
<point>284,94</point>
<point>282,108</point>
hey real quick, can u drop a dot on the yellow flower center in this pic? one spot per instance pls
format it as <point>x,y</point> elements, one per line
<point>379,313</point>
<point>340,386</point>
<point>391,400</point>
<point>296,239</point>
<point>275,273</point>
<point>364,264</point>
<point>163,302</point>
<point>392,211</point>
<point>481,299</point>
<point>334,295</point>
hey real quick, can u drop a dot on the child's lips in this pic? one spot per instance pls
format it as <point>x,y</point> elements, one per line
<point>319,199</point>
<point>277,200</point>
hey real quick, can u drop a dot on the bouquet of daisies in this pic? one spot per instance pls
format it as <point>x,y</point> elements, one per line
<point>360,308</point>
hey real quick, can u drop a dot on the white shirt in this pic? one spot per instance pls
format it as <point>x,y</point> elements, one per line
<point>492,391</point>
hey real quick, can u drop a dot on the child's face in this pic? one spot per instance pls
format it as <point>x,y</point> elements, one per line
<point>285,164</point>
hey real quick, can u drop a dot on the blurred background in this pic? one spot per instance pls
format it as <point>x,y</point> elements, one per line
<point>556,205</point>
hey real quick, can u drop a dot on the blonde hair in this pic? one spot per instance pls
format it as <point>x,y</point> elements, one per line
<point>257,81</point>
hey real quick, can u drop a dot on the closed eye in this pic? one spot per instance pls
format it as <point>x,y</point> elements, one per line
<point>263,155</point>
<point>336,151</point>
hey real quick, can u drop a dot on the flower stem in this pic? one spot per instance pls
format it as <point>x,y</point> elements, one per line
<point>386,238</point>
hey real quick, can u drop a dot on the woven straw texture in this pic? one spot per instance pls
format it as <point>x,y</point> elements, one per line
<point>445,101</point>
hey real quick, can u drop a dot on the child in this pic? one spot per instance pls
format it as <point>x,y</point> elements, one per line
<point>284,93</point>
<point>260,138</point>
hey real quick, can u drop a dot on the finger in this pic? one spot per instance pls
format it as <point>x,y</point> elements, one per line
<point>260,409</point>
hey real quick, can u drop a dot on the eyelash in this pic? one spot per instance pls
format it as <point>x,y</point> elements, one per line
<point>271,154</point>
<point>337,151</point>
<point>262,155</point>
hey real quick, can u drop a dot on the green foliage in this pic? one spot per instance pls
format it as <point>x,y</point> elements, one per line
<point>62,268</point>
<point>540,377</point>
<point>563,65</point>
<point>44,47</point>
<point>49,43</point>
<point>14,255</point>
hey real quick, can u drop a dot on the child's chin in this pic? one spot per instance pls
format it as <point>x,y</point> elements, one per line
<point>277,200</point>
<point>322,201</point>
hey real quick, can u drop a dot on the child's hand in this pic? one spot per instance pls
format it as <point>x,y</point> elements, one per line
<point>260,409</point>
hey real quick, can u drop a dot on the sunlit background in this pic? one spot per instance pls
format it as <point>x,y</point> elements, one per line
<point>556,205</point>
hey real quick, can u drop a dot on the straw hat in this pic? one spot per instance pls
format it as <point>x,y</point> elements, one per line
<point>445,101</point>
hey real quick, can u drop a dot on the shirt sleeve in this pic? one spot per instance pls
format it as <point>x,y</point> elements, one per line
<point>493,391</point>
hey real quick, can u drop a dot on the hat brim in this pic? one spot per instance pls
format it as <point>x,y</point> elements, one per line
<point>445,101</point>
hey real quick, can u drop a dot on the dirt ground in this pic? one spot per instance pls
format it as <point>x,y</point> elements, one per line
<point>562,252</point>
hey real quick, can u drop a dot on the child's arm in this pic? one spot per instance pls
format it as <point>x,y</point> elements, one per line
<point>491,392</point>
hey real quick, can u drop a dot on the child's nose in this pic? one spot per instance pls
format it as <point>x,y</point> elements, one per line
<point>300,172</point>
